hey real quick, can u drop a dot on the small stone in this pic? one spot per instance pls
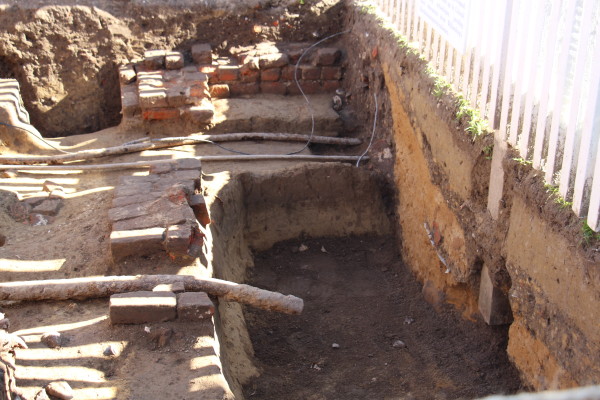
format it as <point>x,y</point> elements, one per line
<point>52,339</point>
<point>335,346</point>
<point>399,344</point>
<point>408,320</point>
<point>49,186</point>
<point>38,220</point>
<point>48,207</point>
<point>111,350</point>
<point>161,337</point>
<point>303,247</point>
<point>60,389</point>
<point>323,250</point>
<point>42,395</point>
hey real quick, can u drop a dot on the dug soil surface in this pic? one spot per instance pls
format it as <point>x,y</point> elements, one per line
<point>366,331</point>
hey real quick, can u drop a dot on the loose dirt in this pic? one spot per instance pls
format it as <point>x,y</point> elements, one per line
<point>359,295</point>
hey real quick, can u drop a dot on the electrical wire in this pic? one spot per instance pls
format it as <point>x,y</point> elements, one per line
<point>36,136</point>
<point>312,111</point>
<point>373,132</point>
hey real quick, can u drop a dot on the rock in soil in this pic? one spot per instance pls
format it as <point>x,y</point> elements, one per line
<point>60,390</point>
<point>52,339</point>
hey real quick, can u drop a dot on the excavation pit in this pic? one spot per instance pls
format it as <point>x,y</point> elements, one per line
<point>411,289</point>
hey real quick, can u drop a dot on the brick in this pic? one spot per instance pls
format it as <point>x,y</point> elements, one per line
<point>287,73</point>
<point>151,98</point>
<point>228,73</point>
<point>172,76</point>
<point>202,53</point>
<point>126,74</point>
<point>178,193</point>
<point>158,114</point>
<point>48,207</point>
<point>130,103</point>
<point>240,89</point>
<point>310,72</point>
<point>142,307</point>
<point>327,56</point>
<point>271,74</point>
<point>154,59</point>
<point>49,186</point>
<point>219,91</point>
<point>159,215</point>
<point>57,194</point>
<point>177,239</point>
<point>331,86</point>
<point>137,179</point>
<point>274,87</point>
<point>295,54</point>
<point>138,198</point>
<point>132,188</point>
<point>309,87</point>
<point>199,91</point>
<point>210,71</point>
<point>250,63</point>
<point>493,304</point>
<point>194,306</point>
<point>173,60</point>
<point>185,177</point>
<point>177,287</point>
<point>176,96</point>
<point>198,204</point>
<point>195,78</point>
<point>126,212</point>
<point>136,242</point>
<point>273,60</point>
<point>331,73</point>
<point>249,76</point>
<point>201,114</point>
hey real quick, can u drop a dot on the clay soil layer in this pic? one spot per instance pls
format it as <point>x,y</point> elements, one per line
<point>392,344</point>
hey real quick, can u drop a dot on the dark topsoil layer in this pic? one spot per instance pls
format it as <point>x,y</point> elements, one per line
<point>359,295</point>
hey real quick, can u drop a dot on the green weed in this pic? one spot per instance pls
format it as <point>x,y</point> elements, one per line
<point>588,233</point>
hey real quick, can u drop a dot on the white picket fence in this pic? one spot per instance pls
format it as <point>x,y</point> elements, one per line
<point>532,68</point>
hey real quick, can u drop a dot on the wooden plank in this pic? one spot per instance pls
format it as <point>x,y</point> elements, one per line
<point>548,47</point>
<point>593,218</point>
<point>573,137</point>
<point>556,137</point>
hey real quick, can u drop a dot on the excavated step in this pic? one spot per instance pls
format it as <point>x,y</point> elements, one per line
<point>273,113</point>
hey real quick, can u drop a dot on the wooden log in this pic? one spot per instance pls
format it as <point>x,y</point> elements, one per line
<point>144,164</point>
<point>94,287</point>
<point>138,146</point>
<point>8,344</point>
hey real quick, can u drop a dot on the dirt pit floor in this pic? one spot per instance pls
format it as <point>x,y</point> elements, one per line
<point>366,331</point>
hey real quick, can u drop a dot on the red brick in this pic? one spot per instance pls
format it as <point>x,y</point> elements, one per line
<point>228,73</point>
<point>310,72</point>
<point>240,89</point>
<point>287,73</point>
<point>248,76</point>
<point>199,91</point>
<point>327,55</point>
<point>199,206</point>
<point>210,71</point>
<point>331,73</point>
<point>173,60</point>
<point>142,307</point>
<point>194,306</point>
<point>134,242</point>
<point>202,53</point>
<point>219,91</point>
<point>201,113</point>
<point>331,86</point>
<point>309,87</point>
<point>273,60</point>
<point>274,87</point>
<point>160,113</point>
<point>271,74</point>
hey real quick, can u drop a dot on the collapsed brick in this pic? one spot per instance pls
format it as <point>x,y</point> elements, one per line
<point>327,56</point>
<point>202,53</point>
<point>194,306</point>
<point>142,307</point>
<point>273,60</point>
<point>173,60</point>
<point>126,74</point>
<point>177,239</point>
<point>154,59</point>
<point>131,242</point>
<point>48,207</point>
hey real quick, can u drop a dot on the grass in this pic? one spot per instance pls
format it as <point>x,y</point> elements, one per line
<point>589,236</point>
<point>554,192</point>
